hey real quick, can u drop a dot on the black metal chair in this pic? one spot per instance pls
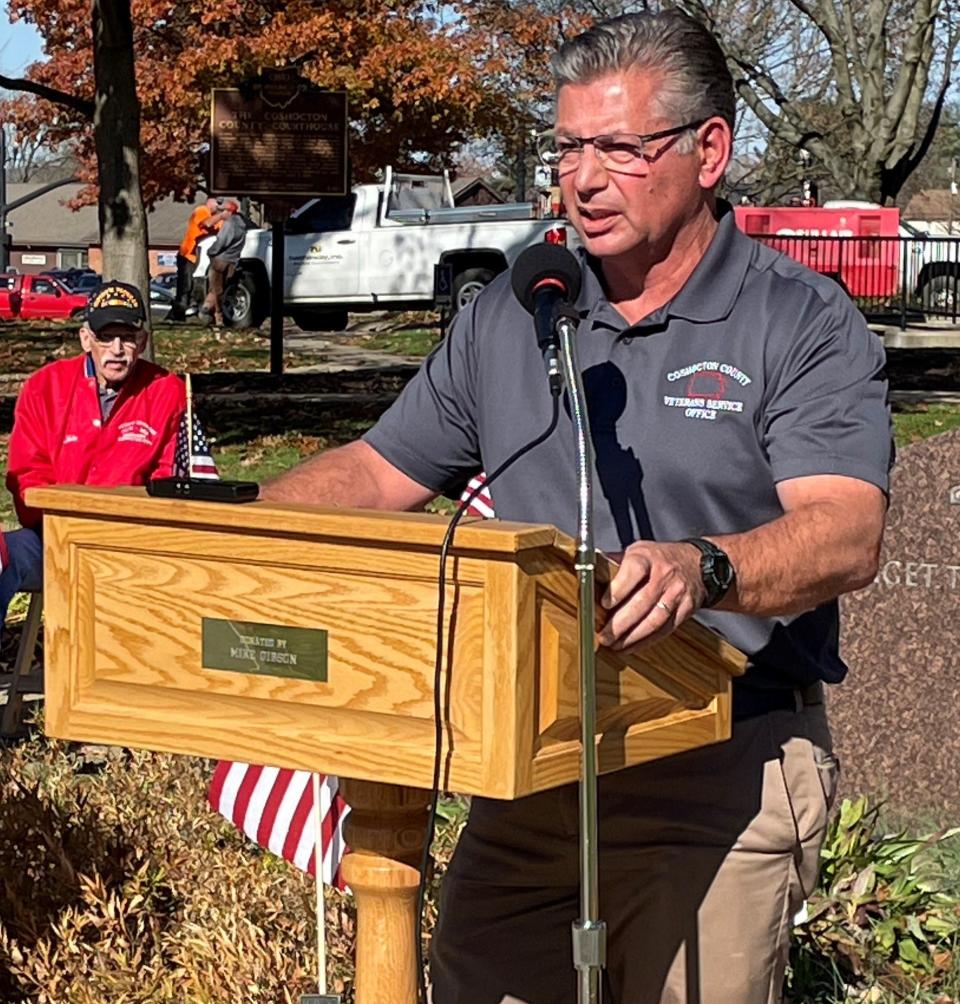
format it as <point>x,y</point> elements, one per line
<point>22,680</point>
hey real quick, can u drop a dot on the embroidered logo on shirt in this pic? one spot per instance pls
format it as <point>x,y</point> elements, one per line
<point>706,389</point>
<point>136,432</point>
<point>69,438</point>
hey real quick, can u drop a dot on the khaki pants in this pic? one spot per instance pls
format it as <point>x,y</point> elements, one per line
<point>219,274</point>
<point>705,857</point>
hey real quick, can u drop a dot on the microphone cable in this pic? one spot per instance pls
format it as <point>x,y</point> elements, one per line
<point>426,859</point>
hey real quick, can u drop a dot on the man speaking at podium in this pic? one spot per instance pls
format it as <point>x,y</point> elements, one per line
<point>737,403</point>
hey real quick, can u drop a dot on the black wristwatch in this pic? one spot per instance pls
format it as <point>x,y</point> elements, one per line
<point>716,570</point>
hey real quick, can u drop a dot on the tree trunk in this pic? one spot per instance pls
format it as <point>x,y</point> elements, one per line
<point>116,124</point>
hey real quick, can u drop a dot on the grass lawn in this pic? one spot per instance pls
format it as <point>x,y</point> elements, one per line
<point>26,345</point>
<point>920,421</point>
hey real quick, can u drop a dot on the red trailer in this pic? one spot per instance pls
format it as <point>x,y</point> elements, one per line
<point>844,242</point>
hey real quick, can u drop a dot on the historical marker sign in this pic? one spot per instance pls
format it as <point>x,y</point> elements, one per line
<point>896,718</point>
<point>278,137</point>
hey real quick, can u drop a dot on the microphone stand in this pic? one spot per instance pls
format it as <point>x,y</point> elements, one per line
<point>589,932</point>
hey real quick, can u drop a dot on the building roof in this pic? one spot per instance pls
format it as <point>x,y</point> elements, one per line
<point>464,187</point>
<point>48,221</point>
<point>933,204</point>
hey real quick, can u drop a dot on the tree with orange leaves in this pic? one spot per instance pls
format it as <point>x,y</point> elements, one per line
<point>514,42</point>
<point>415,84</point>
<point>421,79</point>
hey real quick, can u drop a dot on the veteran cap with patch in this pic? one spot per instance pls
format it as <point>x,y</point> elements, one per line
<point>115,302</point>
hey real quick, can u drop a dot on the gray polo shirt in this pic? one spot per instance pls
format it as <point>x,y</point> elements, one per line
<point>759,370</point>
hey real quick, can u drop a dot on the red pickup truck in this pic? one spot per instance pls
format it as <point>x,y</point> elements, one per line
<point>39,296</point>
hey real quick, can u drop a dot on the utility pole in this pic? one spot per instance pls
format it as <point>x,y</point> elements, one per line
<point>953,195</point>
<point>520,169</point>
<point>4,240</point>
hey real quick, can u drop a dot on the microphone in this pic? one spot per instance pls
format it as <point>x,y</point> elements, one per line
<point>544,277</point>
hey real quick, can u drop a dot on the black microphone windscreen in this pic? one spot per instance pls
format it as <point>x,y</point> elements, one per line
<point>544,261</point>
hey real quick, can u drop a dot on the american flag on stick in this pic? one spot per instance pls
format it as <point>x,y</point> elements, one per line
<point>191,458</point>
<point>482,505</point>
<point>274,807</point>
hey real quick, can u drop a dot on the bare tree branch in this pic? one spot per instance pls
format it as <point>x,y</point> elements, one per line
<point>913,50</point>
<point>847,80</point>
<point>81,105</point>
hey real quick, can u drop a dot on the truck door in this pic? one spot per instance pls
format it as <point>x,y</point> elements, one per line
<point>402,254</point>
<point>9,295</point>
<point>323,252</point>
<point>42,297</point>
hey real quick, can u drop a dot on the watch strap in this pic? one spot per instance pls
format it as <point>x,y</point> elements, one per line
<point>713,559</point>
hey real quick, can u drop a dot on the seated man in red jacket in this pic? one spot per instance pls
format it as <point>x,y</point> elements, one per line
<point>106,417</point>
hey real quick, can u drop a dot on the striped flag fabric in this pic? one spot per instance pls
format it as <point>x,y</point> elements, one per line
<point>274,807</point>
<point>195,463</point>
<point>482,505</point>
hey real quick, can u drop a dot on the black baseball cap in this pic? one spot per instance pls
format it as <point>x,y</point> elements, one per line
<point>116,302</point>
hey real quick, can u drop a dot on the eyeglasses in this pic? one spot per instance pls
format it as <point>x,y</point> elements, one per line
<point>614,150</point>
<point>127,337</point>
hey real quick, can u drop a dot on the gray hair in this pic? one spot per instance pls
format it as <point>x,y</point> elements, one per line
<point>697,82</point>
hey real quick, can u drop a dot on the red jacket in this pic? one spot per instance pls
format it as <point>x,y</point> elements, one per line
<point>58,438</point>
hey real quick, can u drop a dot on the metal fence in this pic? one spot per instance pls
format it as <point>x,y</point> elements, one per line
<point>895,280</point>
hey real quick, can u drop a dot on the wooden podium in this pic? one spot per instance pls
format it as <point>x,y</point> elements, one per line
<point>305,637</point>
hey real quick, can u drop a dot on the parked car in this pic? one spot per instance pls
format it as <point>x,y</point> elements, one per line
<point>38,296</point>
<point>85,283</point>
<point>74,278</point>
<point>161,302</point>
<point>168,280</point>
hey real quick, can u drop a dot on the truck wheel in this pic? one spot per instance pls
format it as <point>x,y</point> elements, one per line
<point>468,283</point>
<point>242,304</point>
<point>314,319</point>
<point>939,294</point>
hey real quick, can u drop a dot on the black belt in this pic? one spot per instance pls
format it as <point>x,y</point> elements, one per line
<point>748,702</point>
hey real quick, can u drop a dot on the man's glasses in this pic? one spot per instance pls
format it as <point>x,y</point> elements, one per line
<point>617,151</point>
<point>127,337</point>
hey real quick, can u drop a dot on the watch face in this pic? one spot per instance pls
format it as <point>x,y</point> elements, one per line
<point>717,573</point>
<point>716,570</point>
<point>722,570</point>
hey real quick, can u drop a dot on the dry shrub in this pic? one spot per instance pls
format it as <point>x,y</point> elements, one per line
<point>117,883</point>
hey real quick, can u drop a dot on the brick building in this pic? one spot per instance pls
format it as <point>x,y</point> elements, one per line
<point>47,234</point>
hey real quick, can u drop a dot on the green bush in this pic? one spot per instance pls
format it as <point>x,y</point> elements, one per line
<point>884,924</point>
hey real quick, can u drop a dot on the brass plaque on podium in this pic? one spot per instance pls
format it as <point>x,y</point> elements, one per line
<point>295,653</point>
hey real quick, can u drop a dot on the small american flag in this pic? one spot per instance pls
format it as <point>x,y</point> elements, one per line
<point>274,807</point>
<point>199,463</point>
<point>482,505</point>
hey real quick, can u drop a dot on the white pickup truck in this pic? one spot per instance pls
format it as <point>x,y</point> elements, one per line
<point>376,248</point>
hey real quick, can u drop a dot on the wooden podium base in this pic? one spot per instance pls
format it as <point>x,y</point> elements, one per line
<point>385,833</point>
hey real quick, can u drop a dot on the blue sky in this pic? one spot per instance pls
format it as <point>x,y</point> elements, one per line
<point>20,45</point>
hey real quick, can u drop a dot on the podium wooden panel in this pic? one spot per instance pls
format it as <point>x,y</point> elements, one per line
<point>129,581</point>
